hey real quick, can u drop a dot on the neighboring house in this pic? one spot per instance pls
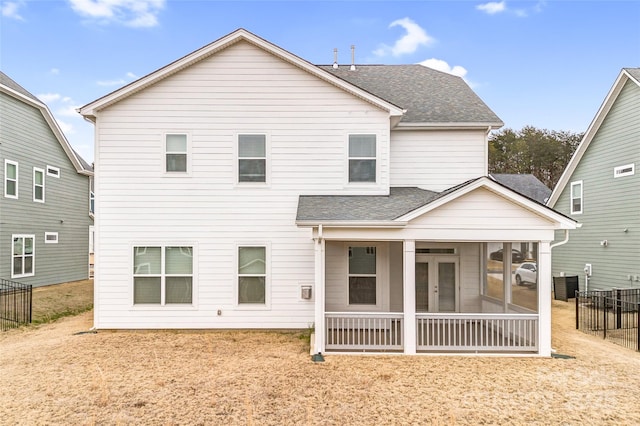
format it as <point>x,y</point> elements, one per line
<point>44,204</point>
<point>601,189</point>
<point>244,187</point>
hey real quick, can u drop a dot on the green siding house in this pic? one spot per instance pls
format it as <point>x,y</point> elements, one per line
<point>601,190</point>
<point>44,200</point>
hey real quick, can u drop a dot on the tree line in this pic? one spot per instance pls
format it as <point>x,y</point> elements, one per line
<point>541,152</point>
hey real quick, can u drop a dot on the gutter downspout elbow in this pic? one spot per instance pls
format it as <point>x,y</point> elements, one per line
<point>563,242</point>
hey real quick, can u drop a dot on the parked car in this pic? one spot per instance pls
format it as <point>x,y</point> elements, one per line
<point>516,256</point>
<point>527,273</point>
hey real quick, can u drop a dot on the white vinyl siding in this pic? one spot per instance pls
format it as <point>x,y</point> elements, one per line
<point>38,185</point>
<point>23,256</point>
<point>577,197</point>
<point>10,179</point>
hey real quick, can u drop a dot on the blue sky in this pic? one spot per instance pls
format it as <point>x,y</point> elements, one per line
<point>548,63</point>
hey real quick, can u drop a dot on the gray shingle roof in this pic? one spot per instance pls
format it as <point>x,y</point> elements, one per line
<point>429,96</point>
<point>634,72</point>
<point>363,207</point>
<point>6,81</point>
<point>525,184</point>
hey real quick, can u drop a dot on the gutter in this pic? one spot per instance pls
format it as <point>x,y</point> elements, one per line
<point>354,224</point>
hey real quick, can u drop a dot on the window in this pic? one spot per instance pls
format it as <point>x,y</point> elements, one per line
<point>53,171</point>
<point>23,256</point>
<point>627,170</point>
<point>92,202</point>
<point>51,238</point>
<point>10,179</point>
<point>362,158</point>
<point>576,197</point>
<point>252,158</point>
<point>252,275</point>
<point>162,275</point>
<point>176,153</point>
<point>362,275</point>
<point>38,185</point>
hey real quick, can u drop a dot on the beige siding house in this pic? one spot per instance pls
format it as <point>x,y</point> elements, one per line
<point>244,187</point>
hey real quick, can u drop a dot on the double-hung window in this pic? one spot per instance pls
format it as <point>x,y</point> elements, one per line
<point>362,276</point>
<point>38,185</point>
<point>252,158</point>
<point>162,275</point>
<point>576,197</point>
<point>176,153</point>
<point>23,256</point>
<point>252,275</point>
<point>10,179</point>
<point>362,158</point>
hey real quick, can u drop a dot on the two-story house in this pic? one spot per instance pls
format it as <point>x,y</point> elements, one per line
<point>600,189</point>
<point>244,187</point>
<point>44,204</point>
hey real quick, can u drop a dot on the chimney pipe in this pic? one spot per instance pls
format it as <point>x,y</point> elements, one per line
<point>353,57</point>
<point>335,58</point>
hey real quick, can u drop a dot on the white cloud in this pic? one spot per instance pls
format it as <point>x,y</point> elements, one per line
<point>492,7</point>
<point>415,37</point>
<point>118,82</point>
<point>440,65</point>
<point>68,111</point>
<point>54,71</point>
<point>66,128</point>
<point>130,13</point>
<point>9,9</point>
<point>49,97</point>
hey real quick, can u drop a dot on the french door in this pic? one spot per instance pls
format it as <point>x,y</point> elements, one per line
<point>437,283</point>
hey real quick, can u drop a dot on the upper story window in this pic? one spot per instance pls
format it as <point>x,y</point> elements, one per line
<point>10,179</point>
<point>362,158</point>
<point>38,185</point>
<point>162,275</point>
<point>176,153</point>
<point>576,197</point>
<point>92,202</point>
<point>252,158</point>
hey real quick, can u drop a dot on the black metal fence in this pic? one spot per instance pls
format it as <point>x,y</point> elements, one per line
<point>15,304</point>
<point>612,314</point>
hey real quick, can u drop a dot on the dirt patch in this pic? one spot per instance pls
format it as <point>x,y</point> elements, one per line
<point>50,375</point>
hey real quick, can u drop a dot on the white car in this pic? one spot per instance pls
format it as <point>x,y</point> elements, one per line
<point>527,273</point>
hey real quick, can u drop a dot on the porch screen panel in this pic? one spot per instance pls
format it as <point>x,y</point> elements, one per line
<point>362,276</point>
<point>422,287</point>
<point>447,287</point>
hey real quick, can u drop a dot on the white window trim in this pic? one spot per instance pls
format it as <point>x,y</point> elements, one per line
<point>6,178</point>
<point>618,171</point>
<point>36,170</point>
<point>162,305</point>
<point>50,234</point>
<point>267,279</point>
<point>571,198</point>
<point>379,273</point>
<point>53,171</point>
<point>164,154</point>
<point>33,255</point>
<point>377,159</point>
<point>267,159</point>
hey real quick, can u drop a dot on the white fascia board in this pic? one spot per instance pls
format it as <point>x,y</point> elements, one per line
<point>53,125</point>
<point>449,126</point>
<point>89,111</point>
<point>589,135</point>
<point>488,183</point>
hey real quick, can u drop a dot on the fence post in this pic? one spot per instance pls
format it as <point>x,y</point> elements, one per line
<point>638,326</point>
<point>604,310</point>
<point>577,311</point>
<point>618,308</point>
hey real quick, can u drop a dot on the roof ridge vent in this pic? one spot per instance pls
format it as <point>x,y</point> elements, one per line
<point>335,58</point>
<point>353,57</point>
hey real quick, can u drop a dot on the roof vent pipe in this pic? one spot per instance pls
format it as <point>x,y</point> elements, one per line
<point>353,57</point>
<point>335,58</point>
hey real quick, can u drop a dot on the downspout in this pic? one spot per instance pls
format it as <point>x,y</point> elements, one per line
<point>563,242</point>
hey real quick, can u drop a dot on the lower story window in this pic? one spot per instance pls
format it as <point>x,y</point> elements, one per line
<point>23,256</point>
<point>252,275</point>
<point>362,276</point>
<point>162,275</point>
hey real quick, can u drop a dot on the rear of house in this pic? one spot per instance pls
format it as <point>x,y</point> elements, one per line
<point>44,205</point>
<point>243,187</point>
<point>600,189</point>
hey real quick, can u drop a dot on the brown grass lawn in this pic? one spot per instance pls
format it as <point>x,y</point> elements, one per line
<point>51,375</point>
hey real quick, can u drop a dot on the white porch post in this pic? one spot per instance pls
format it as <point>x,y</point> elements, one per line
<point>409,297</point>
<point>319,294</point>
<point>544,298</point>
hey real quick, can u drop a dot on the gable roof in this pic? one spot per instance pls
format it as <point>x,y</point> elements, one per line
<point>627,74</point>
<point>13,89</point>
<point>525,184</point>
<point>430,97</point>
<point>89,111</point>
<point>404,204</point>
